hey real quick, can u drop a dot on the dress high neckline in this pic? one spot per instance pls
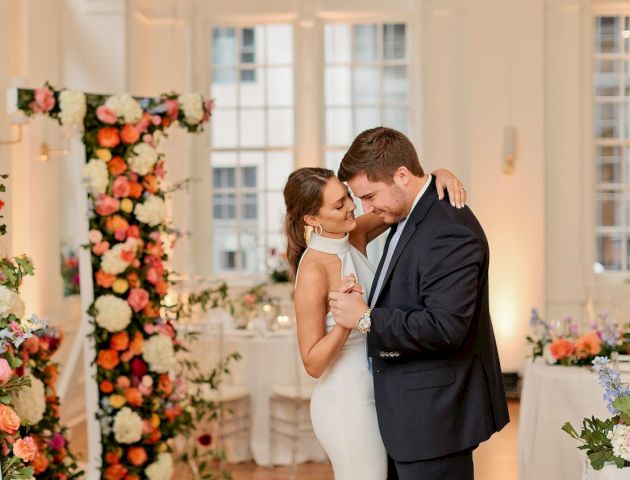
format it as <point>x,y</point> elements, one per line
<point>335,246</point>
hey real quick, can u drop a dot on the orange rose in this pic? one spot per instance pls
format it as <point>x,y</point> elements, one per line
<point>116,166</point>
<point>135,190</point>
<point>106,386</point>
<point>133,280</point>
<point>152,310</point>
<point>173,412</point>
<point>40,464</point>
<point>116,222</point>
<point>161,287</point>
<point>155,249</point>
<point>31,344</point>
<point>9,420</point>
<point>151,183</point>
<point>112,457</point>
<point>154,436</point>
<point>107,359</point>
<point>134,397</point>
<point>115,472</point>
<point>588,345</point>
<point>561,349</point>
<point>108,137</point>
<point>104,280</point>
<point>166,122</point>
<point>119,341</point>
<point>165,385</point>
<point>137,456</point>
<point>129,134</point>
<point>52,374</point>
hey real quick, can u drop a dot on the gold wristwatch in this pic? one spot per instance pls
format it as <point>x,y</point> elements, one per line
<point>364,323</point>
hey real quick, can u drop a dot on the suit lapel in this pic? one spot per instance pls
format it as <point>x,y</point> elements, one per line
<point>415,217</point>
<point>392,230</point>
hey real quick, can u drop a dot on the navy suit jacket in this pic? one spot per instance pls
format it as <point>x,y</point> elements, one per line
<point>437,378</point>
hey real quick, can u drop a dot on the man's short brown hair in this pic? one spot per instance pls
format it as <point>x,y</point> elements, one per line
<point>378,153</point>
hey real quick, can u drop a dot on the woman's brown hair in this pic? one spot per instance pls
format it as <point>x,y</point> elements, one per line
<point>303,195</point>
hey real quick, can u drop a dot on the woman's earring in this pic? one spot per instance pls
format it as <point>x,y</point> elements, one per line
<point>319,230</point>
<point>308,231</point>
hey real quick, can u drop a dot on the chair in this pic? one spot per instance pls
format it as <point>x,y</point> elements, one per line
<point>294,401</point>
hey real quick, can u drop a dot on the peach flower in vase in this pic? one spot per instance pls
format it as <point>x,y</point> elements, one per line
<point>561,349</point>
<point>588,345</point>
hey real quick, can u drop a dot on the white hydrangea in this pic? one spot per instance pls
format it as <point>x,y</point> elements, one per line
<point>114,314</point>
<point>95,176</point>
<point>73,108</point>
<point>619,438</point>
<point>126,107</point>
<point>127,426</point>
<point>29,402</point>
<point>112,261</point>
<point>192,106</point>
<point>142,158</point>
<point>10,303</point>
<point>159,353</point>
<point>152,211</point>
<point>161,469</point>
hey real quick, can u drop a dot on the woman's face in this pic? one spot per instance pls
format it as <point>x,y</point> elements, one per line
<point>336,215</point>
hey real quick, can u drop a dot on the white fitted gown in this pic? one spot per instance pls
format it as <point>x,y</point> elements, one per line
<point>342,406</point>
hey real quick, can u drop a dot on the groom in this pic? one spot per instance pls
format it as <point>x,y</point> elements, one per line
<point>437,379</point>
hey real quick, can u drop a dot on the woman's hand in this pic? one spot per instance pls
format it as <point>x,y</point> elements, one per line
<point>456,192</point>
<point>349,284</point>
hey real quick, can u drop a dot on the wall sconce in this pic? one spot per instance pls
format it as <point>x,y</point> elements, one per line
<point>45,152</point>
<point>509,150</point>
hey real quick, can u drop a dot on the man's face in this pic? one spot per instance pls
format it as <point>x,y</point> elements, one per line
<point>386,201</point>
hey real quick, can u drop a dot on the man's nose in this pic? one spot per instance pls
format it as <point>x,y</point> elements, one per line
<point>367,206</point>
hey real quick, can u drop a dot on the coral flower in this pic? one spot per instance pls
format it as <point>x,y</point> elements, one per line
<point>108,137</point>
<point>561,349</point>
<point>116,166</point>
<point>129,134</point>
<point>25,448</point>
<point>108,359</point>
<point>119,341</point>
<point>588,345</point>
<point>9,420</point>
<point>115,472</point>
<point>104,280</point>
<point>106,386</point>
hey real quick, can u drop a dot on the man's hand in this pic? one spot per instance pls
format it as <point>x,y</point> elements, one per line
<point>349,284</point>
<point>456,192</point>
<point>346,308</point>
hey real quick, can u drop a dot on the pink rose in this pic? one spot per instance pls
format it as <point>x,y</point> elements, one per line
<point>25,448</point>
<point>5,371</point>
<point>44,100</point>
<point>95,236</point>
<point>208,106</point>
<point>121,187</point>
<point>138,299</point>
<point>172,108</point>
<point>147,138</point>
<point>106,205</point>
<point>100,248</point>
<point>156,120</point>
<point>152,276</point>
<point>106,115</point>
<point>120,234</point>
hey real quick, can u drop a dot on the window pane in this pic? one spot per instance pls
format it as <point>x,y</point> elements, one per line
<point>248,46</point>
<point>274,211</point>
<point>224,250</point>
<point>280,87</point>
<point>333,159</point>
<point>279,44</point>
<point>609,251</point>
<point>253,89</point>
<point>279,166</point>
<point>607,34</point>
<point>606,120</point>
<point>608,164</point>
<point>337,43</point>
<point>280,127</point>
<point>223,87</point>
<point>395,84</point>
<point>366,85</point>
<point>252,128</point>
<point>224,129</point>
<point>396,118</point>
<point>250,206</point>
<point>249,252</point>
<point>394,41</point>
<point>609,208</point>
<point>607,78</point>
<point>224,46</point>
<point>224,205</point>
<point>338,126</point>
<point>224,177</point>
<point>249,175</point>
<point>365,118</point>
<point>365,43</point>
<point>338,85</point>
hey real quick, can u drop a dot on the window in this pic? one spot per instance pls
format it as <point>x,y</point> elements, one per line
<point>612,143</point>
<point>252,142</point>
<point>366,82</point>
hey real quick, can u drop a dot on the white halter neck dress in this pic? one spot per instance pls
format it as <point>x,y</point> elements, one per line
<point>342,406</point>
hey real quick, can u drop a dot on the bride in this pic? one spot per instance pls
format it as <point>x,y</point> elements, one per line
<point>342,406</point>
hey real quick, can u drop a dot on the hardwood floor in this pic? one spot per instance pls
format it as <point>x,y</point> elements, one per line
<point>496,459</point>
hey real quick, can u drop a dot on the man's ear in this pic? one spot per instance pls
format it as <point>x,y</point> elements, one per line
<point>402,176</point>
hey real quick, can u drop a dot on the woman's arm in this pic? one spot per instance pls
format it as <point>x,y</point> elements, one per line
<point>318,349</point>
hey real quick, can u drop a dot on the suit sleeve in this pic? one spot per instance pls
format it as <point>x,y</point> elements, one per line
<point>447,297</point>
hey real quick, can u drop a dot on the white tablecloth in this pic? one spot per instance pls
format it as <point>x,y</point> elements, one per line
<point>553,395</point>
<point>609,472</point>
<point>266,361</point>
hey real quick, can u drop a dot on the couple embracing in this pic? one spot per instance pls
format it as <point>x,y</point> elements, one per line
<point>409,375</point>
